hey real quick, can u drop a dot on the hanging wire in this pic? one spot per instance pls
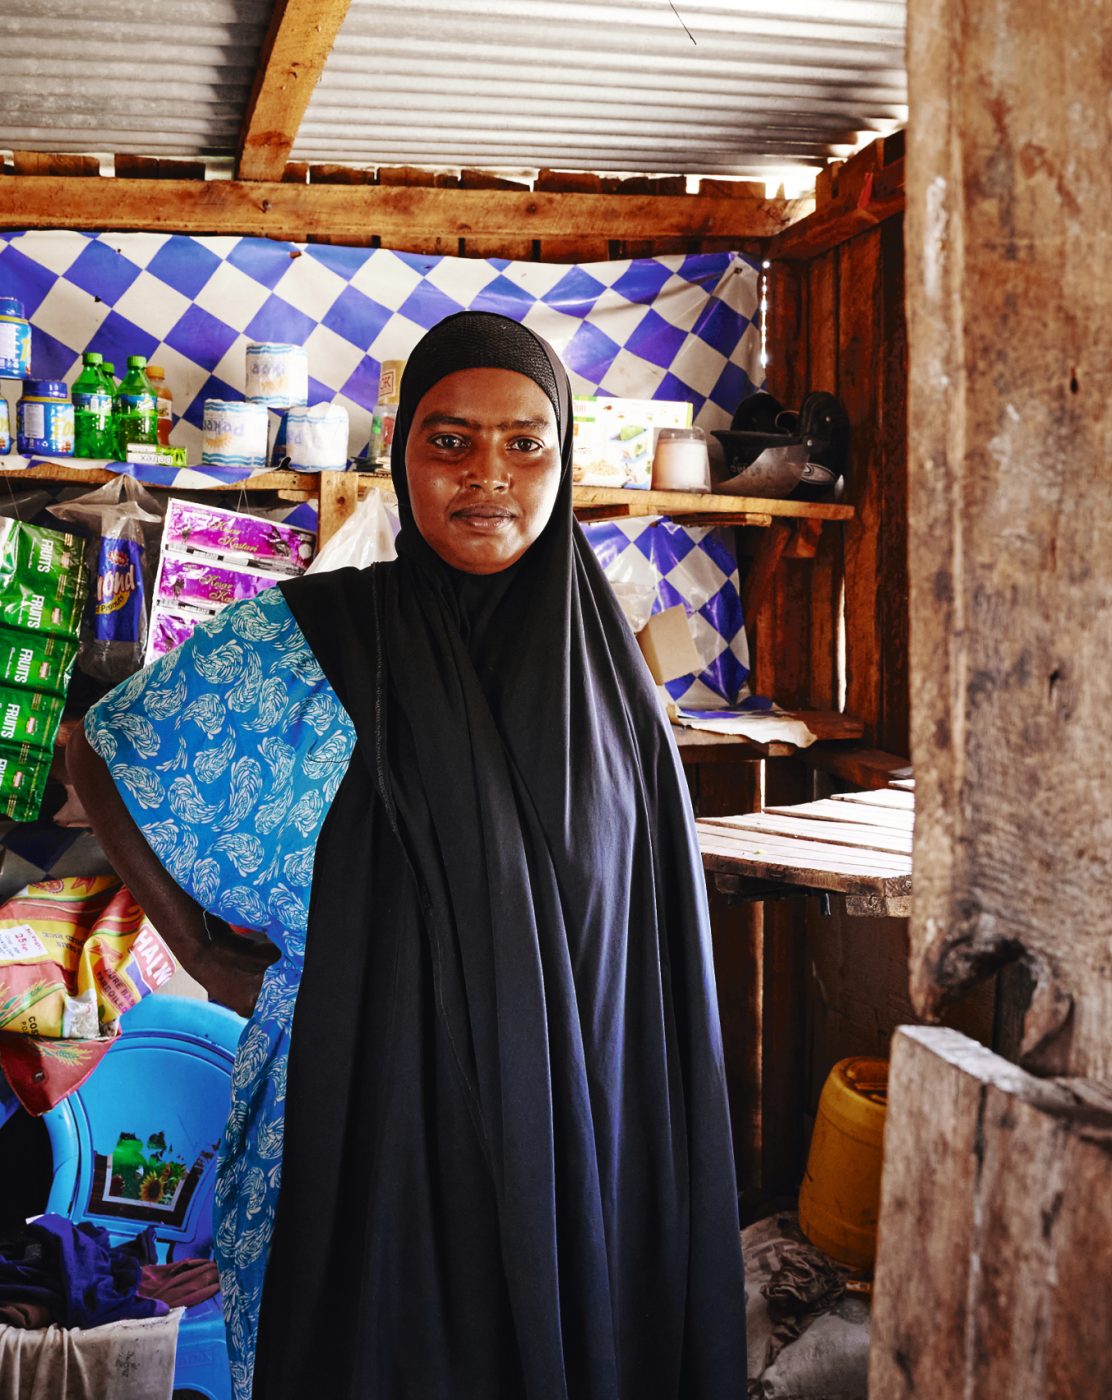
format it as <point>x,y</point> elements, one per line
<point>685,28</point>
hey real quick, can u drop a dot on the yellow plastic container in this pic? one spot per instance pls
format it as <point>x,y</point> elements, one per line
<point>840,1198</point>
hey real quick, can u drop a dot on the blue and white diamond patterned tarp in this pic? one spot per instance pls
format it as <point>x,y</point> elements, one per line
<point>680,327</point>
<point>653,564</point>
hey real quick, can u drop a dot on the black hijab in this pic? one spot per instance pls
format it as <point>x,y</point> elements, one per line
<point>522,841</point>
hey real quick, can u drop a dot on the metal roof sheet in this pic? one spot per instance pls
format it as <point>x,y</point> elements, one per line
<point>735,87</point>
<point>147,77</point>
<point>716,86</point>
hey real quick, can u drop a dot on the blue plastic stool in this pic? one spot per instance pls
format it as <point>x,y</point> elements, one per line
<point>136,1145</point>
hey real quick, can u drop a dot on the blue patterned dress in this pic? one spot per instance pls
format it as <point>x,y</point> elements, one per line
<point>228,753</point>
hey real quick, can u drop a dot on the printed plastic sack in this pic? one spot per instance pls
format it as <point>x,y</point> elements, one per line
<point>123,522</point>
<point>366,537</point>
<point>654,563</point>
<point>75,954</point>
<point>807,1329</point>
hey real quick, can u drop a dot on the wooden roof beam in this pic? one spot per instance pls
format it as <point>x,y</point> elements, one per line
<point>296,47</point>
<point>294,211</point>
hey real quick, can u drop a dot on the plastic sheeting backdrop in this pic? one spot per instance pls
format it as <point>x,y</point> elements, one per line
<point>681,327</point>
<point>678,327</point>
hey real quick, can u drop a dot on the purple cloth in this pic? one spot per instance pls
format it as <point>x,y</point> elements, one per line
<point>76,1272</point>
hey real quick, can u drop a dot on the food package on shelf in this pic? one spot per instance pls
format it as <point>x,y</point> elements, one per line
<point>43,583</point>
<point>212,557</point>
<point>614,439</point>
<point>123,522</point>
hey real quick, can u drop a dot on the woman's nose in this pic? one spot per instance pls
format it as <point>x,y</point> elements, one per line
<point>487,470</point>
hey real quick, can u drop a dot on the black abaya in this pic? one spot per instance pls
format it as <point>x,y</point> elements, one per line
<point>507,1170</point>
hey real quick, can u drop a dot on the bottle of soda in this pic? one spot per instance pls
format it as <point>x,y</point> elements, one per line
<point>110,375</point>
<point>93,433</point>
<point>165,399</point>
<point>136,407</point>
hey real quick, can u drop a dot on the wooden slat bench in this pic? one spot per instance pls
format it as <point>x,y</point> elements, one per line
<point>856,844</point>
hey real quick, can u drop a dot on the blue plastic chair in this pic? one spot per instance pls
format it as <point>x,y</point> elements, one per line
<point>136,1145</point>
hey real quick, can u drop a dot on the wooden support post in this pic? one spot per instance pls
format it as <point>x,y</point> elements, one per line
<point>339,495</point>
<point>1009,213</point>
<point>994,1275</point>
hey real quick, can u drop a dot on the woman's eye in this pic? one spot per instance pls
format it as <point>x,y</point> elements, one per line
<point>527,444</point>
<point>448,442</point>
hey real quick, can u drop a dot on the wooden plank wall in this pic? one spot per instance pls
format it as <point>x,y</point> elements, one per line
<point>837,323</point>
<point>833,634</point>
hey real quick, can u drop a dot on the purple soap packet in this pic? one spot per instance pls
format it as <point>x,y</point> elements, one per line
<point>200,581</point>
<point>170,627</point>
<point>249,538</point>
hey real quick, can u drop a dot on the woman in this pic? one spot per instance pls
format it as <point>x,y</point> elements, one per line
<point>489,1157</point>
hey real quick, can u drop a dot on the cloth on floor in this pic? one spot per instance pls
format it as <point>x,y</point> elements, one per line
<point>132,1359</point>
<point>808,1339</point>
<point>76,1273</point>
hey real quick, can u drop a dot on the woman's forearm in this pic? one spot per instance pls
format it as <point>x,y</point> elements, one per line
<point>229,967</point>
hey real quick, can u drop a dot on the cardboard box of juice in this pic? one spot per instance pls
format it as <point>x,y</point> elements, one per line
<point>614,439</point>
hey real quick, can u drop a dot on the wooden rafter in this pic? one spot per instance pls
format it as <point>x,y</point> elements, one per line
<point>296,211</point>
<point>297,44</point>
<point>880,197</point>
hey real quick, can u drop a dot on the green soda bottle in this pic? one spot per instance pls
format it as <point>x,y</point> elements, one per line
<point>93,430</point>
<point>136,407</point>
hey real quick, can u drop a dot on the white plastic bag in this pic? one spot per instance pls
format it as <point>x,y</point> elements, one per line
<point>366,537</point>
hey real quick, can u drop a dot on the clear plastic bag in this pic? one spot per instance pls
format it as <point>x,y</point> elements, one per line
<point>366,537</point>
<point>123,522</point>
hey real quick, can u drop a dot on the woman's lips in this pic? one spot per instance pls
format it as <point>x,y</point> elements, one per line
<point>487,518</point>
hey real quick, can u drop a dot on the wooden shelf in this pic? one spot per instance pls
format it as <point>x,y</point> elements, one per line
<point>339,494</point>
<point>701,746</point>
<point>600,502</point>
<point>59,470</point>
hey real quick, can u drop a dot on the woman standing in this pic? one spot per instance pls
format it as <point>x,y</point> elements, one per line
<point>489,1155</point>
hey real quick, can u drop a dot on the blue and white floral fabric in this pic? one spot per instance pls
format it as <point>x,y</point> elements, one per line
<point>227,753</point>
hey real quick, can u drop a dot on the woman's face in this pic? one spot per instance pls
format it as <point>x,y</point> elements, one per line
<point>483,463</point>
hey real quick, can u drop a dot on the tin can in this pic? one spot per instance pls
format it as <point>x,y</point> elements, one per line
<point>278,375</point>
<point>15,340</point>
<point>5,427</point>
<point>45,419</point>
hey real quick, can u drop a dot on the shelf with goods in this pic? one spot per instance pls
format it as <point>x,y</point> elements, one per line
<point>785,526</point>
<point>340,492</point>
<point>298,486</point>
<point>344,488</point>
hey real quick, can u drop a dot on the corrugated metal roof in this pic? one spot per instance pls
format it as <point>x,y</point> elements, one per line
<point>152,77</point>
<point>506,84</point>
<point>731,87</point>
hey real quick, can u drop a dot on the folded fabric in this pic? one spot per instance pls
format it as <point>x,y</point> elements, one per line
<point>75,1272</point>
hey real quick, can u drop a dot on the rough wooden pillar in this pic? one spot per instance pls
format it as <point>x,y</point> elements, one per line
<point>994,1272</point>
<point>1009,241</point>
<point>994,1280</point>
